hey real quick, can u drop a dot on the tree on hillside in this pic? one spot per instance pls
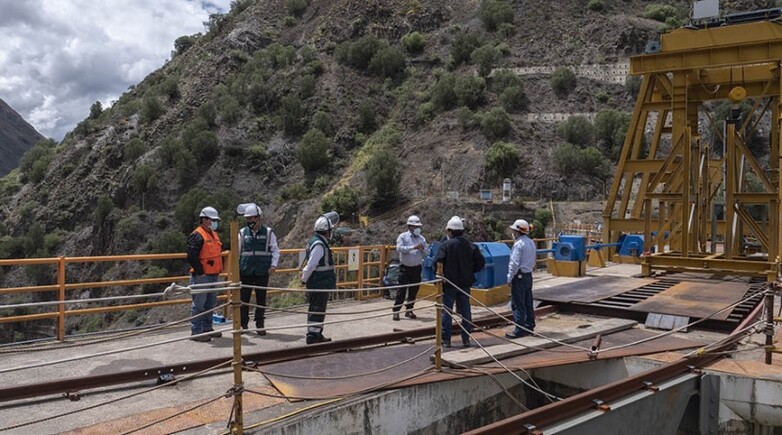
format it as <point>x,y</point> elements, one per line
<point>313,150</point>
<point>383,176</point>
<point>577,130</point>
<point>493,13</point>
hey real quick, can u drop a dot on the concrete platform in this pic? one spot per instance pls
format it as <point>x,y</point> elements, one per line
<point>126,414</point>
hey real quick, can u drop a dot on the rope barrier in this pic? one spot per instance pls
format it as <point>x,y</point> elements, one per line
<point>127,396</point>
<point>357,375</point>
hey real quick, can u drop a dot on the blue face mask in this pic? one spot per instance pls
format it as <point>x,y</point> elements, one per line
<point>214,225</point>
<point>417,231</point>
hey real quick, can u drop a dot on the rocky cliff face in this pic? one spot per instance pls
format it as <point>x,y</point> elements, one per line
<point>227,118</point>
<point>16,137</point>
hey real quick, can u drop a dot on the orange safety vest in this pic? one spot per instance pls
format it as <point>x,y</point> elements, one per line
<point>211,255</point>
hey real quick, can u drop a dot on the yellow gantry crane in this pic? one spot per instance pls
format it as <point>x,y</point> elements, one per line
<point>695,205</point>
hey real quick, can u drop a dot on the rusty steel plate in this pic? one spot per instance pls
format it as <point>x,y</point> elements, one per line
<point>695,299</point>
<point>589,290</point>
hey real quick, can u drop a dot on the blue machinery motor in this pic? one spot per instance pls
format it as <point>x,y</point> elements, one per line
<point>494,274</point>
<point>570,248</point>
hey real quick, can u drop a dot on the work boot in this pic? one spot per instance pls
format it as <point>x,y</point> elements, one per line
<point>396,317</point>
<point>202,339</point>
<point>261,331</point>
<point>323,339</point>
<point>410,315</point>
<point>215,334</point>
<point>467,343</point>
<point>447,343</point>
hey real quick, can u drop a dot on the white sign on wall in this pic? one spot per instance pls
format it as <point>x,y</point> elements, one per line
<point>353,259</point>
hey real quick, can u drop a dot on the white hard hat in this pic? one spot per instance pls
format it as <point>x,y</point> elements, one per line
<point>209,212</point>
<point>327,221</point>
<point>414,221</point>
<point>455,223</point>
<point>521,226</point>
<point>249,210</point>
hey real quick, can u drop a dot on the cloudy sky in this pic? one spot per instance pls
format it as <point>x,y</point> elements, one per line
<point>57,57</point>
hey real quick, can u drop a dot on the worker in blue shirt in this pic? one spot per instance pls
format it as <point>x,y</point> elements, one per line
<point>520,267</point>
<point>412,248</point>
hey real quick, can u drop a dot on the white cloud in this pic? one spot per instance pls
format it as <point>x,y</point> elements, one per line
<point>58,57</point>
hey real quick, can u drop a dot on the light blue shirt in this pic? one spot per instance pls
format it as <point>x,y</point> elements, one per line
<point>406,247</point>
<point>522,257</point>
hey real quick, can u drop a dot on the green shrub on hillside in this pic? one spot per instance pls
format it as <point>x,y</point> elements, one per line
<point>262,96</point>
<point>321,120</point>
<point>563,81</point>
<point>343,200</point>
<point>538,230</point>
<point>577,130</point>
<point>469,90</point>
<point>151,109</point>
<point>313,150</point>
<point>296,7</point>
<point>186,168</point>
<point>182,43</point>
<point>187,208</point>
<point>608,123</point>
<point>388,62</point>
<point>134,149</point>
<point>10,183</point>
<point>493,13</point>
<point>633,85</point>
<point>660,12</point>
<point>570,159</point>
<point>443,94</point>
<point>96,110</point>
<point>103,209</point>
<point>170,88</point>
<point>512,98</point>
<point>358,54</point>
<point>307,86</point>
<point>504,79</point>
<point>484,57</point>
<point>501,159</point>
<point>229,109</point>
<point>297,191</point>
<point>596,5</point>
<point>291,115</point>
<point>495,124</point>
<point>367,120</point>
<point>36,160</point>
<point>145,179</point>
<point>466,118</point>
<point>414,42</point>
<point>425,113</point>
<point>208,112</point>
<point>464,43</point>
<point>544,216</point>
<point>383,176</point>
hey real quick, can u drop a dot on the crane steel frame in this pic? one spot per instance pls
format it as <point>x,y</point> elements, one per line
<point>669,190</point>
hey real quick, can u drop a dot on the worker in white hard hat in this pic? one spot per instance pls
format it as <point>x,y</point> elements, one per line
<point>205,255</point>
<point>412,248</point>
<point>461,259</point>
<point>520,267</point>
<point>259,255</point>
<point>319,274</point>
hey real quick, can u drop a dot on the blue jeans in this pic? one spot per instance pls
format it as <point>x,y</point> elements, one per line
<point>451,295</point>
<point>521,302</point>
<point>201,303</point>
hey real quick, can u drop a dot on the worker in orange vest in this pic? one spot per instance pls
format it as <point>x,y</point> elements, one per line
<point>204,253</point>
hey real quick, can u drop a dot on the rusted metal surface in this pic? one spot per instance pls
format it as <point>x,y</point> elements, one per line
<point>187,367</point>
<point>695,299</point>
<point>590,290</point>
<point>345,364</point>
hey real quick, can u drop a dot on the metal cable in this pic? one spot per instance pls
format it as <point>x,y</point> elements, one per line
<point>357,375</point>
<point>343,313</point>
<point>353,393</point>
<point>111,352</point>
<point>108,402</point>
<point>316,290</point>
<point>192,408</point>
<point>39,348</point>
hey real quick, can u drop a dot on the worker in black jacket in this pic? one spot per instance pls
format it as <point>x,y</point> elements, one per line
<point>461,259</point>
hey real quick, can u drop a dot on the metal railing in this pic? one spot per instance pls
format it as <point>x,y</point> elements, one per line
<point>357,267</point>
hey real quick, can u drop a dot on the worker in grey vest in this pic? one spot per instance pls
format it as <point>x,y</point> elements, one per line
<point>319,274</point>
<point>258,258</point>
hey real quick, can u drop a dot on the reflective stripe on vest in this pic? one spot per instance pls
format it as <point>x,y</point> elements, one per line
<point>211,255</point>
<point>255,257</point>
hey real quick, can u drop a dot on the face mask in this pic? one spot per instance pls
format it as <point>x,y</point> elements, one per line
<point>417,231</point>
<point>214,225</point>
<point>251,224</point>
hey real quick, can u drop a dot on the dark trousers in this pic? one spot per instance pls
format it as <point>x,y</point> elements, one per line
<point>521,301</point>
<point>451,295</point>
<point>408,275</point>
<point>260,299</point>
<point>318,301</point>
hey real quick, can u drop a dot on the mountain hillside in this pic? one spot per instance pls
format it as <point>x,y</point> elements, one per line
<point>373,107</point>
<point>16,137</point>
